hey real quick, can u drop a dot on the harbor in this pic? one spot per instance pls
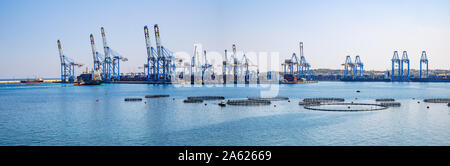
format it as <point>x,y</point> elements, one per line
<point>225,73</point>
<point>62,114</point>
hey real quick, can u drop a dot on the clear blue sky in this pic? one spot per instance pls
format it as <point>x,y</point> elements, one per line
<point>330,29</point>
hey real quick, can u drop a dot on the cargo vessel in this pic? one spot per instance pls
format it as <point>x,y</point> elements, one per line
<point>292,79</point>
<point>38,80</point>
<point>92,78</point>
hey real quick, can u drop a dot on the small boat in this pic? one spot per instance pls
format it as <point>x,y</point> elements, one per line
<point>39,80</point>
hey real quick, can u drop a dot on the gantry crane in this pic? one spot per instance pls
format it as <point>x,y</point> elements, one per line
<point>98,58</point>
<point>224,68</point>
<point>291,68</point>
<point>67,66</point>
<point>193,65</point>
<point>423,59</point>
<point>247,72</point>
<point>304,65</point>
<point>404,60</point>
<point>111,63</point>
<point>349,67</point>
<point>359,66</point>
<point>235,64</point>
<point>160,62</point>
<point>151,59</point>
<point>205,67</point>
<point>396,62</point>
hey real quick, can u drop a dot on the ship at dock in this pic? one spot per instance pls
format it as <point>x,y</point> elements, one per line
<point>292,79</point>
<point>92,78</point>
<point>37,80</point>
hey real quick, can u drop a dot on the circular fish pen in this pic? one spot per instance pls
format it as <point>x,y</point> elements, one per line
<point>206,98</point>
<point>323,100</point>
<point>248,102</point>
<point>437,100</point>
<point>156,96</point>
<point>268,98</point>
<point>346,107</point>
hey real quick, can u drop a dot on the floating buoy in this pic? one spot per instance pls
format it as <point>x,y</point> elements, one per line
<point>348,107</point>
<point>358,91</point>
<point>289,101</point>
<point>206,104</point>
<point>97,100</point>
<point>145,102</point>
<point>428,107</point>
<point>274,105</point>
<point>418,102</point>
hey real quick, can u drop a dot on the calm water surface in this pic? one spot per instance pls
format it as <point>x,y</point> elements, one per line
<point>61,114</point>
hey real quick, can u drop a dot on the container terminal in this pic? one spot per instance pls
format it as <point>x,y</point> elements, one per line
<point>162,67</point>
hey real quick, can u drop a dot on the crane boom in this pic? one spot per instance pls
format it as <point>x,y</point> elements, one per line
<point>158,40</point>
<point>105,45</point>
<point>61,55</point>
<point>147,42</point>
<point>301,49</point>
<point>94,53</point>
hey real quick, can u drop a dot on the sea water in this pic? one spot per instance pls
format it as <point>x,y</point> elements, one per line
<point>63,114</point>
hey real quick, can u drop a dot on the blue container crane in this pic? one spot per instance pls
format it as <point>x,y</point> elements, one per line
<point>160,61</point>
<point>396,62</point>
<point>291,68</point>
<point>247,72</point>
<point>111,63</point>
<point>359,66</point>
<point>67,66</point>
<point>224,68</point>
<point>404,60</point>
<point>98,59</point>
<point>205,67</point>
<point>349,67</point>
<point>235,65</point>
<point>151,59</point>
<point>107,60</point>
<point>423,60</point>
<point>193,66</point>
<point>304,66</point>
